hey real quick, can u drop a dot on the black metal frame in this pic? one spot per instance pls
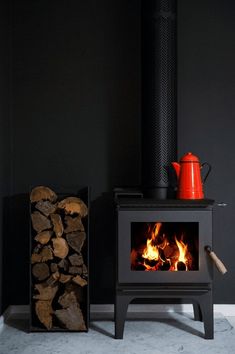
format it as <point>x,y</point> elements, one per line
<point>193,285</point>
<point>63,192</point>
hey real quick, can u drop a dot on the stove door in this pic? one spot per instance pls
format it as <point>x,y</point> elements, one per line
<point>164,246</point>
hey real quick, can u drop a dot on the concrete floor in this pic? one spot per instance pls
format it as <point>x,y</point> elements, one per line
<point>175,333</point>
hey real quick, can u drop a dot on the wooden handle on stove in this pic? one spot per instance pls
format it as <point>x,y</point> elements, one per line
<point>219,264</point>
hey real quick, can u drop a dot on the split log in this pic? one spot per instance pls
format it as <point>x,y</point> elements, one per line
<point>76,259</point>
<point>45,255</point>
<point>54,267</point>
<point>75,270</point>
<point>40,222</point>
<point>41,271</point>
<point>53,278</point>
<point>84,270</point>
<point>46,207</point>
<point>79,280</point>
<point>46,292</point>
<point>67,299</point>
<point>64,264</point>
<point>44,312</point>
<point>58,282</point>
<point>65,278</point>
<point>57,224</point>
<point>73,224</point>
<point>42,193</point>
<point>76,240</point>
<point>71,318</point>
<point>78,291</point>
<point>43,237</point>
<point>73,205</point>
<point>61,248</point>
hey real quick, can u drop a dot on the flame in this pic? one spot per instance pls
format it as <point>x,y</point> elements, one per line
<point>151,251</point>
<point>183,249</point>
<point>161,252</point>
<point>156,230</point>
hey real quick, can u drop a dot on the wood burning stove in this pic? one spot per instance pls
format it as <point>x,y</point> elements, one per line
<point>161,243</point>
<point>161,253</point>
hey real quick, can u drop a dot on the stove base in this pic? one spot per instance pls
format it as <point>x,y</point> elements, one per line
<point>200,295</point>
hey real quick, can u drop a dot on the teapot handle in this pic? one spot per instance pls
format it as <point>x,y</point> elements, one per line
<point>208,172</point>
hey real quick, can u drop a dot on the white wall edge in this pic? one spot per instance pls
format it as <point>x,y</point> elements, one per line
<point>158,309</point>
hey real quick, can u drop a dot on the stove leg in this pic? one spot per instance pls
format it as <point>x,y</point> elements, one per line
<point>197,312</point>
<point>206,304</point>
<point>121,306</point>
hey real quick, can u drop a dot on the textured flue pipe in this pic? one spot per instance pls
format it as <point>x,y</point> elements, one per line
<point>159,97</point>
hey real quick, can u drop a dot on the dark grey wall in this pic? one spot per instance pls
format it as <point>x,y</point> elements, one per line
<point>4,124</point>
<point>75,110</point>
<point>206,112</point>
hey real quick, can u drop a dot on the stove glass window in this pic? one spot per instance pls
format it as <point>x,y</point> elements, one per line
<point>164,246</point>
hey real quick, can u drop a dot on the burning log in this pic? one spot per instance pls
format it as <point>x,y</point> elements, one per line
<point>181,266</point>
<point>161,252</point>
<point>58,268</point>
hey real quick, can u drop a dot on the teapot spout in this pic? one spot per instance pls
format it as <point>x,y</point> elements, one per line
<point>176,166</point>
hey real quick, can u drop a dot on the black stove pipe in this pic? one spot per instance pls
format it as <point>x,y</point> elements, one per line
<point>159,98</point>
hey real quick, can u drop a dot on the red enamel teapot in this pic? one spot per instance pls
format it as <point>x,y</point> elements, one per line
<point>190,182</point>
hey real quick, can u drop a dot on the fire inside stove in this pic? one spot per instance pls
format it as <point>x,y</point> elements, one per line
<point>166,246</point>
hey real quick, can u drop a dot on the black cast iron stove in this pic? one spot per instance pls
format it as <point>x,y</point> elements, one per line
<point>161,254</point>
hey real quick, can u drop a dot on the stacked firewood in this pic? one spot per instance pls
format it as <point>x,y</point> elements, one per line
<point>59,273</point>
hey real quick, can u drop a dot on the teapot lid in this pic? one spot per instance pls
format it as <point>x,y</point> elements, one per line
<point>189,157</point>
